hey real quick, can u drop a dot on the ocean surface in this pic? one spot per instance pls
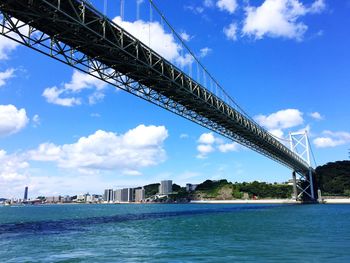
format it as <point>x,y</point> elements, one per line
<point>175,233</point>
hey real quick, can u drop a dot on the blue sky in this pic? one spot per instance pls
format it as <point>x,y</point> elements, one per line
<point>286,62</point>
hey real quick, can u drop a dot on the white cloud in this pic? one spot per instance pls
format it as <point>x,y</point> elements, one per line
<point>184,136</point>
<point>317,7</point>
<point>204,149</point>
<point>53,94</point>
<point>279,18</point>
<point>277,133</point>
<point>228,147</point>
<point>282,119</point>
<point>316,115</point>
<point>208,3</point>
<point>227,5</point>
<point>12,120</point>
<point>208,143</point>
<point>13,171</point>
<point>185,60</point>
<point>36,120</point>
<point>10,167</point>
<point>332,139</point>
<point>204,52</point>
<point>5,75</point>
<point>138,148</point>
<point>162,42</point>
<point>82,81</point>
<point>185,37</point>
<point>6,46</point>
<point>277,122</point>
<point>65,96</point>
<point>231,31</point>
<point>206,138</point>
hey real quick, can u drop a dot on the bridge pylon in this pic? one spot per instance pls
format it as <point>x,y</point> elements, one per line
<point>304,187</point>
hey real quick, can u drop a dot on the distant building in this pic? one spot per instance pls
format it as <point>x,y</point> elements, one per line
<point>108,195</point>
<point>191,187</point>
<point>88,198</point>
<point>81,199</point>
<point>66,199</point>
<point>118,195</point>
<point>53,199</point>
<point>166,187</point>
<point>140,195</point>
<point>25,193</point>
<point>125,195</point>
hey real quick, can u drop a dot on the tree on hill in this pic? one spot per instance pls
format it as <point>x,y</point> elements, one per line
<point>151,189</point>
<point>334,178</point>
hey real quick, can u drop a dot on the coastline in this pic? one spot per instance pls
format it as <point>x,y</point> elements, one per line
<point>248,201</point>
<point>336,200</point>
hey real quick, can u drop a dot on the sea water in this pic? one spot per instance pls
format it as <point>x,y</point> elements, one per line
<point>175,233</point>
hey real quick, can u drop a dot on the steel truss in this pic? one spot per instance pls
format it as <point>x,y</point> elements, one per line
<point>73,32</point>
<point>299,144</point>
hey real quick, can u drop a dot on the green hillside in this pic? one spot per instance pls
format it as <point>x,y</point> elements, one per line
<point>334,178</point>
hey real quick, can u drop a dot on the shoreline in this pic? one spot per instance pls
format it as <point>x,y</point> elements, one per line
<point>336,200</point>
<point>248,201</point>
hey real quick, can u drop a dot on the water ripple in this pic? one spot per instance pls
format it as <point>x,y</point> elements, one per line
<point>79,224</point>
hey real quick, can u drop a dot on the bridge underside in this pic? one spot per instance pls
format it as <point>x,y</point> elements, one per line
<point>74,33</point>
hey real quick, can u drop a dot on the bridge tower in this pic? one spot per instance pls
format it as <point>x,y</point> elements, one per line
<point>304,189</point>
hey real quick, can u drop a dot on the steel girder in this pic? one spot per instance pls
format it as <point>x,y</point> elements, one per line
<point>75,33</point>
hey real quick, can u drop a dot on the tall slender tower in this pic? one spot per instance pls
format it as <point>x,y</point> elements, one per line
<point>25,193</point>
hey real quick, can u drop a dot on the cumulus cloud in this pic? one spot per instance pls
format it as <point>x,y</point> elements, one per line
<point>228,147</point>
<point>12,120</point>
<point>204,149</point>
<point>316,115</point>
<point>204,52</point>
<point>206,138</point>
<point>53,95</point>
<point>138,148</point>
<point>208,143</point>
<point>36,120</point>
<point>279,18</point>
<point>231,31</point>
<point>13,173</point>
<point>81,81</point>
<point>332,139</point>
<point>185,37</point>
<point>5,75</point>
<point>66,95</point>
<point>162,42</point>
<point>6,46</point>
<point>280,120</point>
<point>227,5</point>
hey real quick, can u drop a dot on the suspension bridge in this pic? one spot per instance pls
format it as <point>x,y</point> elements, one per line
<point>77,34</point>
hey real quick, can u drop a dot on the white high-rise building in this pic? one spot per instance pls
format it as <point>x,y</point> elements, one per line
<point>166,187</point>
<point>140,195</point>
<point>118,195</point>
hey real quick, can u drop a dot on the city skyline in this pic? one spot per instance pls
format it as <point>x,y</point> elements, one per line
<point>59,128</point>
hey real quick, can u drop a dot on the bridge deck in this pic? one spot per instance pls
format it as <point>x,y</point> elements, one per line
<point>84,29</point>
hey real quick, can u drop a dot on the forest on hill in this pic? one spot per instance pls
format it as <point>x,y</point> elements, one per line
<point>334,178</point>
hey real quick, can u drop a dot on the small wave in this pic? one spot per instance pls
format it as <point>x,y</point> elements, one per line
<point>79,224</point>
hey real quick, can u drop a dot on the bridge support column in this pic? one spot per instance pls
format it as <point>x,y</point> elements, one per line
<point>311,179</point>
<point>295,189</point>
